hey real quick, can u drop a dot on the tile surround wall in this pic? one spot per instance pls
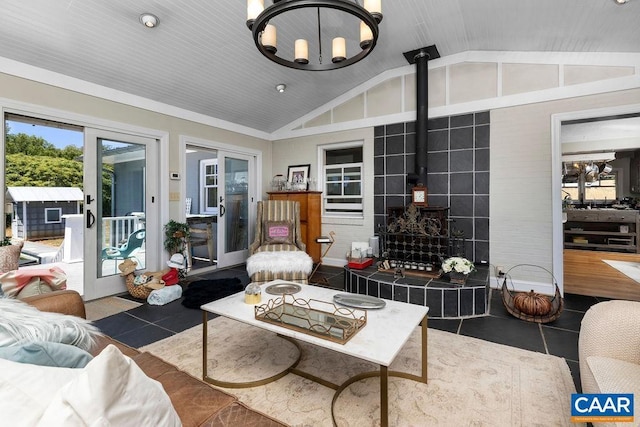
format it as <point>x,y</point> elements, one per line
<point>457,173</point>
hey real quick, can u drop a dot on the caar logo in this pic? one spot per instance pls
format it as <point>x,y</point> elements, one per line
<point>601,408</point>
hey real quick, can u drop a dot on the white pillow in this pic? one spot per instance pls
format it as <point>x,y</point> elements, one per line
<point>27,390</point>
<point>111,391</point>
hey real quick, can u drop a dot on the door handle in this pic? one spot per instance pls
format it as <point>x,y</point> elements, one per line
<point>89,199</point>
<point>91,218</point>
<point>222,211</point>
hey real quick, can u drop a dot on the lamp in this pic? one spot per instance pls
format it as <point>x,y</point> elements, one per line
<point>149,20</point>
<point>262,23</point>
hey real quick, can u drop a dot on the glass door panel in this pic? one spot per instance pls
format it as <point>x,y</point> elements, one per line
<point>234,208</point>
<point>120,209</point>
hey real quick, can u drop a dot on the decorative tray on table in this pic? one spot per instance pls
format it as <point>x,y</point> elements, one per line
<point>283,288</point>
<point>318,318</point>
<point>359,301</point>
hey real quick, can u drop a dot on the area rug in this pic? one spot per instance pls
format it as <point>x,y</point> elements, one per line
<point>629,269</point>
<point>105,307</point>
<point>471,382</point>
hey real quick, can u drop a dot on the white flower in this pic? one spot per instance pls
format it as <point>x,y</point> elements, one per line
<point>458,264</point>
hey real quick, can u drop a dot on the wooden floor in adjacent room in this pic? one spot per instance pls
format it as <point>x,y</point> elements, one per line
<point>587,273</point>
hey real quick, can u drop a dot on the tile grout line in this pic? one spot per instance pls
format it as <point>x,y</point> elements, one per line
<point>544,341</point>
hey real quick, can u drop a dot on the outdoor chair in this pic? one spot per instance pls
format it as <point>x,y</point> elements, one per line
<point>277,251</point>
<point>127,250</point>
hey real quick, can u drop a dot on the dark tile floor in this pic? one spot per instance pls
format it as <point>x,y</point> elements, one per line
<point>146,324</point>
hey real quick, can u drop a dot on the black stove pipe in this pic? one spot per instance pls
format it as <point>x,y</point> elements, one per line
<point>421,57</point>
<point>422,117</point>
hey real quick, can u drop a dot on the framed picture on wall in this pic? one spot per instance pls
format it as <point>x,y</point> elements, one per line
<point>298,174</point>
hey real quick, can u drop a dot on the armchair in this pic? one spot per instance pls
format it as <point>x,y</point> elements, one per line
<point>277,251</point>
<point>609,350</point>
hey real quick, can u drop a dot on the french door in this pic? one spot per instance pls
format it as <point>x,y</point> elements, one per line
<point>120,208</point>
<point>236,207</point>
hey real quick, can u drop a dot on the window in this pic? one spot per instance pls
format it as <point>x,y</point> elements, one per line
<point>343,180</point>
<point>209,189</point>
<point>604,188</point>
<point>52,215</point>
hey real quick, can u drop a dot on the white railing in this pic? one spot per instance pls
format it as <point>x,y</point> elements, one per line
<point>116,229</point>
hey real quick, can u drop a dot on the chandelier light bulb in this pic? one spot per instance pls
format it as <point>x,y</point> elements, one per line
<point>254,8</point>
<point>301,51</point>
<point>339,49</point>
<point>366,36</point>
<point>270,38</point>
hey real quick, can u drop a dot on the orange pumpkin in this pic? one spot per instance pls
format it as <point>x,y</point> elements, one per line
<point>532,303</point>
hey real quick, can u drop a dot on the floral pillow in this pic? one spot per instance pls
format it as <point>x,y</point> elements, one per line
<point>10,257</point>
<point>278,232</point>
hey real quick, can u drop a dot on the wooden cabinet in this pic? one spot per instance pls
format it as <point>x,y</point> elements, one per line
<point>310,217</point>
<point>602,230</point>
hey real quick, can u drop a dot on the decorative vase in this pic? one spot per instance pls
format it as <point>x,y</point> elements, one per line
<point>458,278</point>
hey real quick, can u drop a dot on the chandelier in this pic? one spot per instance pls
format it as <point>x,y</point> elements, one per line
<point>292,18</point>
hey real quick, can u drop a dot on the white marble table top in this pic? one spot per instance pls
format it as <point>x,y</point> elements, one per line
<point>386,332</point>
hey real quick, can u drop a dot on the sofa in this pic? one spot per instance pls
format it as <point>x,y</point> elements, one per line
<point>195,402</point>
<point>609,350</point>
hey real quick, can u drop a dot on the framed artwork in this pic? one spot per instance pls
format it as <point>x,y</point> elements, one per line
<point>298,174</point>
<point>419,195</point>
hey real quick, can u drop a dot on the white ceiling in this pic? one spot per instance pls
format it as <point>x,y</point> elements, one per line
<point>202,58</point>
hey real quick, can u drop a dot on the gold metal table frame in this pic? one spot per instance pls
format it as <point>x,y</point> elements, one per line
<point>384,373</point>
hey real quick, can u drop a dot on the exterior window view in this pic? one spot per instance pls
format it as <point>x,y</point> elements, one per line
<point>320,213</point>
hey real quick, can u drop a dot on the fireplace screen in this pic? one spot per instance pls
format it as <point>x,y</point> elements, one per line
<point>419,235</point>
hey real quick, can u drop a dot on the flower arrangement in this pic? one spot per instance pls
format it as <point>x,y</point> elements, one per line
<point>458,264</point>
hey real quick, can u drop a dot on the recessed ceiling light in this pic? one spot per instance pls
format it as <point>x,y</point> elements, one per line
<point>281,87</point>
<point>149,20</point>
<point>621,1</point>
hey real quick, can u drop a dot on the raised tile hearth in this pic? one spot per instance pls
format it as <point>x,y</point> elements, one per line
<point>445,300</point>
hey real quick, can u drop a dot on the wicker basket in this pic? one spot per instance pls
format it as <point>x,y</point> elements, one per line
<point>557,303</point>
<point>139,291</point>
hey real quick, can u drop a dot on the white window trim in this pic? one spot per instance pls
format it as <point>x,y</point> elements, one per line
<point>322,182</point>
<point>46,215</point>
<point>203,193</point>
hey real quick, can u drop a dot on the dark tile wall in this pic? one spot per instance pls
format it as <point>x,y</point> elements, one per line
<point>457,173</point>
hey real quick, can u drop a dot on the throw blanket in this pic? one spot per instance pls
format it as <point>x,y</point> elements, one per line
<point>280,262</point>
<point>22,323</point>
<point>165,295</point>
<point>14,281</point>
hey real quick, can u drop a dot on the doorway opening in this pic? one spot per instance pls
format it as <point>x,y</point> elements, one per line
<point>220,187</point>
<point>598,233</point>
<point>74,196</point>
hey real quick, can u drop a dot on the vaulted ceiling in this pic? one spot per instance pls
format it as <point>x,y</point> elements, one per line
<point>202,57</point>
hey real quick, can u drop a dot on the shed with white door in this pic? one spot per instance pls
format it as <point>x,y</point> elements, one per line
<point>38,211</point>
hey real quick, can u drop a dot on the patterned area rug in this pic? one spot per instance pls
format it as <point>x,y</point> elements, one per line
<point>105,307</point>
<point>471,382</point>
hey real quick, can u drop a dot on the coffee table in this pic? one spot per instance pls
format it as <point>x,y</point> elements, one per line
<point>386,332</point>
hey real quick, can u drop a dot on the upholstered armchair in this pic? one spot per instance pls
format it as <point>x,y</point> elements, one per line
<point>609,350</point>
<point>277,251</point>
